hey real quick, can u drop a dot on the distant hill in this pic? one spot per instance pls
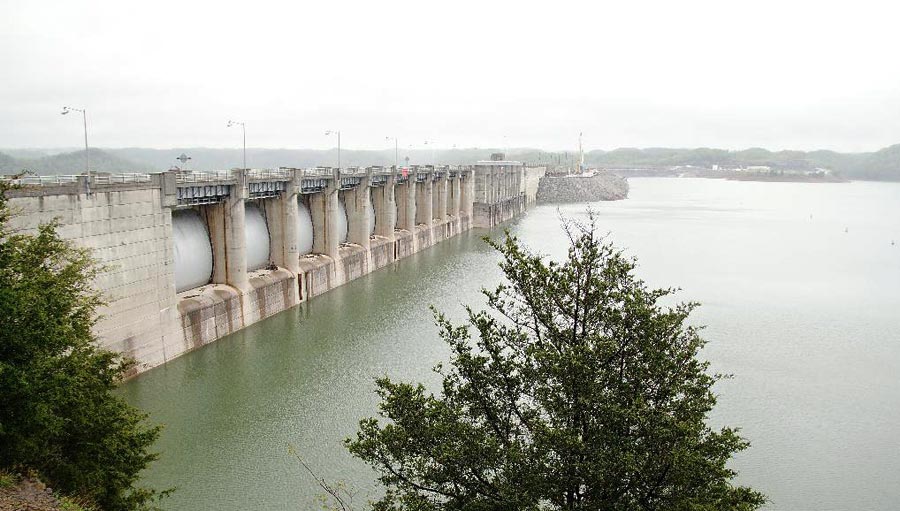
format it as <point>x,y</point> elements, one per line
<point>883,165</point>
<point>205,158</point>
<point>880,165</point>
<point>7,164</point>
<point>70,163</point>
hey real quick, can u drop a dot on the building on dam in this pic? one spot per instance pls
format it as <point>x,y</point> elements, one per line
<point>194,256</point>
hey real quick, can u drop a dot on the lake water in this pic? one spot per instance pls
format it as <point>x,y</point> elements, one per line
<point>800,286</point>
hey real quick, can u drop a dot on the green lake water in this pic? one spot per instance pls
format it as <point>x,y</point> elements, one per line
<point>800,285</point>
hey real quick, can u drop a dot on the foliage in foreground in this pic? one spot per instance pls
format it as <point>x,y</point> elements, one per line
<point>580,391</point>
<point>58,415</point>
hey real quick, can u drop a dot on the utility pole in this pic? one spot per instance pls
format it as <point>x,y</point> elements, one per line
<point>580,154</point>
<point>338,133</point>
<point>433,157</point>
<point>87,157</point>
<point>244,130</point>
<point>396,152</point>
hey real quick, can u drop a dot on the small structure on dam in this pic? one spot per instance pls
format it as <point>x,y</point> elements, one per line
<point>195,256</point>
<point>503,190</point>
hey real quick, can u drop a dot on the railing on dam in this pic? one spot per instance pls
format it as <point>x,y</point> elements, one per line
<point>114,179</point>
<point>211,186</point>
<point>279,174</point>
<point>40,180</point>
<point>96,179</point>
<point>203,176</point>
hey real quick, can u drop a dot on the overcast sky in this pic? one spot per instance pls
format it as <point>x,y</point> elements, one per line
<point>776,74</point>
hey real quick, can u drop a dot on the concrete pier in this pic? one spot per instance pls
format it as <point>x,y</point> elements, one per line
<point>127,221</point>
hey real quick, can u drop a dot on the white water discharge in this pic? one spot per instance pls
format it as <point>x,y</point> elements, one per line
<point>342,221</point>
<point>304,228</point>
<point>193,251</point>
<point>256,234</point>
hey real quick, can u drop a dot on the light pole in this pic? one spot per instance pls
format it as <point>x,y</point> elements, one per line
<point>396,152</point>
<point>87,158</point>
<point>338,133</point>
<point>244,131</point>
<point>183,159</point>
<point>433,157</point>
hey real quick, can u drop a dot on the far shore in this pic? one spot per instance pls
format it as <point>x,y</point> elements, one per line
<point>731,175</point>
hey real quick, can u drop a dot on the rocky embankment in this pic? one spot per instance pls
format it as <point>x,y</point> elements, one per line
<point>29,494</point>
<point>600,186</point>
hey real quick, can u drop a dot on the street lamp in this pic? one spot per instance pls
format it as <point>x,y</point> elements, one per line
<point>244,130</point>
<point>183,159</point>
<point>396,152</point>
<point>338,133</point>
<point>87,158</point>
<point>433,157</point>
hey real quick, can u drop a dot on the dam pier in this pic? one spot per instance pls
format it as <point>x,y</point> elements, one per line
<point>191,256</point>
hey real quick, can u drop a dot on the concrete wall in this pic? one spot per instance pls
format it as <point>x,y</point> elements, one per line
<point>129,228</point>
<point>502,190</point>
<point>532,181</point>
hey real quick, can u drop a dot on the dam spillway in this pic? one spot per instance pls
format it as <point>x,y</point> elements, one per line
<point>195,256</point>
<point>257,236</point>
<point>192,251</point>
<point>342,222</point>
<point>304,228</point>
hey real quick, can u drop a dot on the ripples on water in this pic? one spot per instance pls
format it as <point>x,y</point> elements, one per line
<point>800,286</point>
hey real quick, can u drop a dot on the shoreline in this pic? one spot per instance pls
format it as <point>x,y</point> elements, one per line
<point>729,176</point>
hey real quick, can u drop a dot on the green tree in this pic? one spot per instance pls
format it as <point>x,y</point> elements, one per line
<point>58,415</point>
<point>580,391</point>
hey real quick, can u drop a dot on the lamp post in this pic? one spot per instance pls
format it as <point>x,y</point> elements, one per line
<point>396,152</point>
<point>338,133</point>
<point>433,157</point>
<point>244,131</point>
<point>87,158</point>
<point>183,159</point>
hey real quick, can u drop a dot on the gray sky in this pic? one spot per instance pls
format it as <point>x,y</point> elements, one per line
<point>732,74</point>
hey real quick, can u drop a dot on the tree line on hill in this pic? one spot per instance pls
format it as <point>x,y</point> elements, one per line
<point>882,165</point>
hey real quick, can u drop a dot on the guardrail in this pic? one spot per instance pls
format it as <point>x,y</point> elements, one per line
<point>95,179</point>
<point>279,174</point>
<point>198,176</point>
<point>219,176</point>
<point>110,179</point>
<point>40,180</point>
<point>318,172</point>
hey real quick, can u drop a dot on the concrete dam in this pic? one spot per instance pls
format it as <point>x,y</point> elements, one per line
<point>194,256</point>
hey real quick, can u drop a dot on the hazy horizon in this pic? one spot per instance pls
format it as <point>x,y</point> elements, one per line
<point>574,148</point>
<point>801,75</point>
